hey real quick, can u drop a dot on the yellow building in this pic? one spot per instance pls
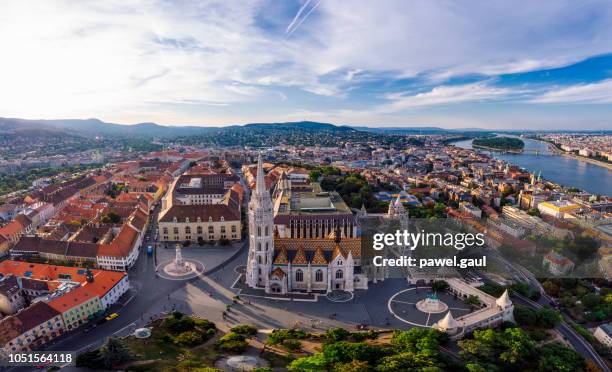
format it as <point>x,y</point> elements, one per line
<point>77,306</point>
<point>557,209</point>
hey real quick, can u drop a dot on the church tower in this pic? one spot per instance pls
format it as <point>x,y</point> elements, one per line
<point>398,212</point>
<point>261,233</point>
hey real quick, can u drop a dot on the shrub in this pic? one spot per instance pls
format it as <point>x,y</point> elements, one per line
<point>439,286</point>
<point>180,324</point>
<point>204,324</point>
<point>246,330</point>
<point>292,345</point>
<point>232,342</point>
<point>279,335</point>
<point>337,334</point>
<point>189,338</point>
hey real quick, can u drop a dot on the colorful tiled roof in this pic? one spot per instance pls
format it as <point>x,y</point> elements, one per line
<point>300,257</point>
<point>278,272</point>
<point>281,258</point>
<point>319,258</point>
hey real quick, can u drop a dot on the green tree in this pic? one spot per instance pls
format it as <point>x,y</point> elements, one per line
<point>557,357</point>
<point>591,300</point>
<point>313,363</point>
<point>525,316</point>
<point>246,330</point>
<point>353,366</point>
<point>114,353</point>
<point>189,338</point>
<point>337,334</point>
<point>439,286</point>
<point>548,318</point>
<point>314,175</point>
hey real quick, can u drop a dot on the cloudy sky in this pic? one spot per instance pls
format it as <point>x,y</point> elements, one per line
<point>491,64</point>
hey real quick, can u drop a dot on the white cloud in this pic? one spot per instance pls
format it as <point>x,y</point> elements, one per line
<point>441,95</point>
<point>143,60</point>
<point>600,92</point>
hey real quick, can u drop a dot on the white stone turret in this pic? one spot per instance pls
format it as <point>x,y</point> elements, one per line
<point>448,324</point>
<point>504,300</point>
<point>261,233</point>
<point>398,212</point>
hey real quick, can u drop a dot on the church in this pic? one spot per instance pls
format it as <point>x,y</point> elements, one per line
<point>303,240</point>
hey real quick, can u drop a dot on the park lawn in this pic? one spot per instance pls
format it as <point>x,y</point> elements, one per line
<point>157,353</point>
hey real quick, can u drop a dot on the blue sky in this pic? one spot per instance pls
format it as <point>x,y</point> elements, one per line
<point>490,64</point>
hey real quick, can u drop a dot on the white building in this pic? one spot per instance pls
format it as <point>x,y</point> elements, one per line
<point>494,311</point>
<point>603,334</point>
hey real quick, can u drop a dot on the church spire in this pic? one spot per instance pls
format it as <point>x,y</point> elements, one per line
<point>260,186</point>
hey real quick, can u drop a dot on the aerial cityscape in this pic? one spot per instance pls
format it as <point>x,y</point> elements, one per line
<point>384,208</point>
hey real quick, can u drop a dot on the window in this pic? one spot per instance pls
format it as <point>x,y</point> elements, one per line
<point>165,230</point>
<point>267,231</point>
<point>258,246</point>
<point>211,230</point>
<point>299,276</point>
<point>223,229</point>
<point>187,230</point>
<point>319,276</point>
<point>176,230</point>
<point>258,230</point>
<point>233,228</point>
<point>339,274</point>
<point>199,229</point>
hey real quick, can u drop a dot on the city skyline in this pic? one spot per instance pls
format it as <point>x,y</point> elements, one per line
<point>487,65</point>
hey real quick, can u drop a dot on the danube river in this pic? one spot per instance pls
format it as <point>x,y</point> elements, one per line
<point>557,168</point>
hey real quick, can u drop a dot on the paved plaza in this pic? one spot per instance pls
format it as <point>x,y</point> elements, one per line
<point>208,296</point>
<point>403,306</point>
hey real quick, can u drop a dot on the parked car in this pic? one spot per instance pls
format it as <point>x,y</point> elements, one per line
<point>112,316</point>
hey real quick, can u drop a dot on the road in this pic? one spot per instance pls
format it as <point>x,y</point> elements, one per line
<point>578,342</point>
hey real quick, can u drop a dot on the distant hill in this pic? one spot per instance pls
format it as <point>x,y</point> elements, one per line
<point>95,127</point>
<point>308,126</point>
<point>404,130</point>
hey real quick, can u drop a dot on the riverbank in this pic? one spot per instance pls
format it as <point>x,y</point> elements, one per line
<point>511,151</point>
<point>555,167</point>
<point>556,150</point>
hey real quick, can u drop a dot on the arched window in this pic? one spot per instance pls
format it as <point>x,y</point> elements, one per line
<point>339,274</point>
<point>259,259</point>
<point>258,246</point>
<point>319,276</point>
<point>258,230</point>
<point>299,276</point>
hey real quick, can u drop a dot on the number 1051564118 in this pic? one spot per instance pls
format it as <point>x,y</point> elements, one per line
<point>38,358</point>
